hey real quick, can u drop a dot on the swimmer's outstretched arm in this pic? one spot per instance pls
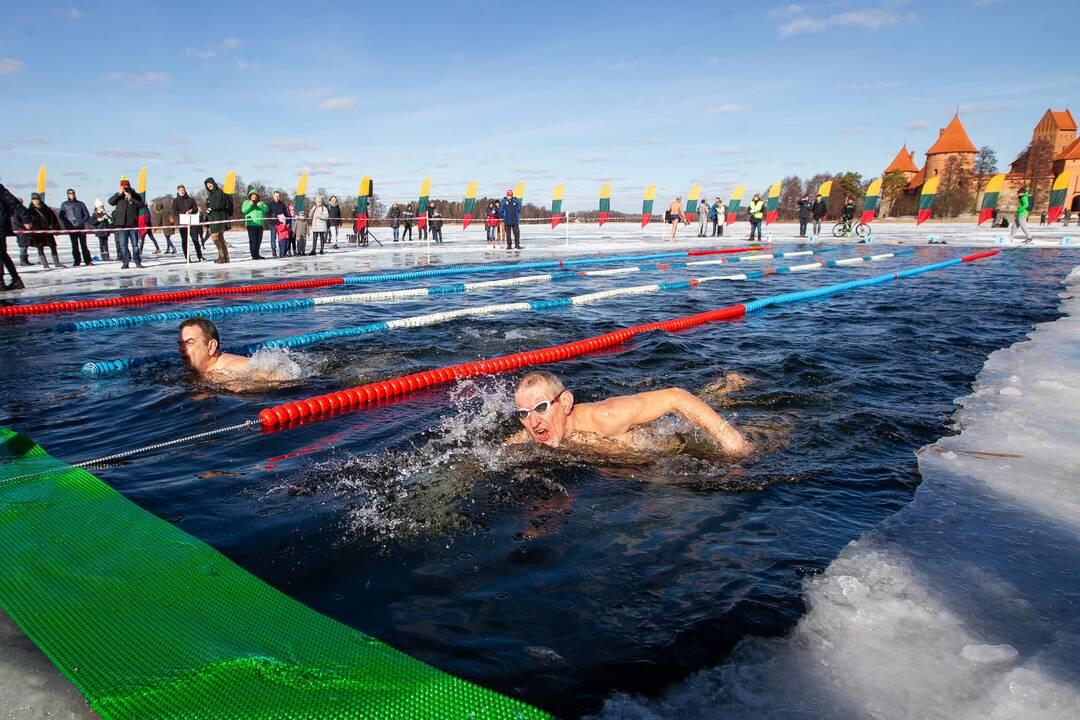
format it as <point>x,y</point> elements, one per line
<point>617,415</point>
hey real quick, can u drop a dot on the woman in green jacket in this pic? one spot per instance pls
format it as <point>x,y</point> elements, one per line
<point>254,210</point>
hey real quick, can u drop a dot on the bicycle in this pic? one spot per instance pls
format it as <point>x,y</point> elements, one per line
<point>845,227</point>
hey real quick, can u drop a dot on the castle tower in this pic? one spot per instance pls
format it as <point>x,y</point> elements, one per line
<point>953,141</point>
<point>904,163</point>
<point>1058,128</point>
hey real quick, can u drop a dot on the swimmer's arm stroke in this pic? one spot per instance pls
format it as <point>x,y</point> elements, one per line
<point>617,415</point>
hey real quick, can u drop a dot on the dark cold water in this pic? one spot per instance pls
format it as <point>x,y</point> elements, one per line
<point>555,579</point>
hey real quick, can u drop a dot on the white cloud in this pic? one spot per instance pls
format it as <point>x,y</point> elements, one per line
<point>231,43</point>
<point>868,18</point>
<point>725,109</point>
<point>290,145</point>
<point>324,167</point>
<point>123,154</point>
<point>917,125</point>
<point>11,66</point>
<point>139,79</point>
<point>202,53</point>
<point>339,103</point>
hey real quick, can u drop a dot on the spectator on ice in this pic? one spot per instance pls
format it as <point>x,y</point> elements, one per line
<point>44,220</point>
<point>99,220</point>
<point>75,217</point>
<point>12,213</point>
<point>510,213</point>
<point>320,225</point>
<point>717,215</point>
<point>818,211</point>
<point>805,208</point>
<point>703,217</point>
<point>756,211</point>
<point>184,204</point>
<point>254,210</point>
<point>335,218</point>
<point>278,211</point>
<point>218,209</point>
<point>127,204</point>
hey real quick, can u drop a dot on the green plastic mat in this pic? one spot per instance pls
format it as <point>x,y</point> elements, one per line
<point>149,622</point>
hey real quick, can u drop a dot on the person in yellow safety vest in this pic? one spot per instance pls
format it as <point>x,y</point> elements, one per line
<point>757,214</point>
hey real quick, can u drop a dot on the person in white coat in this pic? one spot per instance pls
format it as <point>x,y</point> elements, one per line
<point>320,226</point>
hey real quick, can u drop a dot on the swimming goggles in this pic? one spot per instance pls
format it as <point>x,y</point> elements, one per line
<point>539,408</point>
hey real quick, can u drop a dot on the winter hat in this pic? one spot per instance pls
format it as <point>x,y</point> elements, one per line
<point>124,182</point>
<point>34,196</point>
<point>253,191</point>
<point>510,192</point>
<point>98,203</point>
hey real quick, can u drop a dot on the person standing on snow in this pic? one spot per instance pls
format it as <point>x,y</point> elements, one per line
<point>510,213</point>
<point>254,211</point>
<point>818,212</point>
<point>278,211</point>
<point>320,226</point>
<point>99,220</point>
<point>703,217</point>
<point>1023,209</point>
<point>184,204</point>
<point>218,209</point>
<point>75,216</point>
<point>718,216</point>
<point>805,207</point>
<point>756,210</point>
<point>43,218</point>
<point>127,204</point>
<point>335,218</point>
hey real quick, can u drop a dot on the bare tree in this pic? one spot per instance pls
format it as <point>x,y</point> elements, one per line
<point>985,167</point>
<point>892,188</point>
<point>954,193</point>
<point>791,189</point>
<point>1040,168</point>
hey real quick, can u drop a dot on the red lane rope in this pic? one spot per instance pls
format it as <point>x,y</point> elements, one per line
<point>317,408</point>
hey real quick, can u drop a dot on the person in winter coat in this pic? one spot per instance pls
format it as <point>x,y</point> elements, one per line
<point>756,210</point>
<point>254,210</point>
<point>162,218</point>
<point>127,204</point>
<point>407,221</point>
<point>491,221</point>
<point>335,217</point>
<point>218,207</point>
<point>278,212</point>
<point>510,213</point>
<point>818,212</point>
<point>718,216</point>
<point>42,217</point>
<point>146,229</point>
<point>703,217</point>
<point>301,226</point>
<point>395,219</point>
<point>75,217</point>
<point>1023,209</point>
<point>12,213</point>
<point>436,220</point>
<point>805,207</point>
<point>99,220</point>
<point>184,204</point>
<point>320,226</point>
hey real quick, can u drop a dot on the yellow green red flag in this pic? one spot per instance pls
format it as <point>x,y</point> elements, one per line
<point>469,206</point>
<point>733,204</point>
<point>691,202</point>
<point>646,205</point>
<point>1057,196</point>
<point>772,205</point>
<point>301,191</point>
<point>605,202</point>
<point>422,203</point>
<point>926,200</point>
<point>870,201</point>
<point>556,205</point>
<point>363,200</point>
<point>990,198</point>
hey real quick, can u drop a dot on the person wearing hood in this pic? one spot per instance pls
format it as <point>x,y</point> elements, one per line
<point>127,204</point>
<point>12,212</point>
<point>819,210</point>
<point>335,218</point>
<point>44,220</point>
<point>301,225</point>
<point>718,216</point>
<point>218,207</point>
<point>320,225</point>
<point>75,216</point>
<point>254,210</point>
<point>491,222</point>
<point>99,220</point>
<point>184,204</point>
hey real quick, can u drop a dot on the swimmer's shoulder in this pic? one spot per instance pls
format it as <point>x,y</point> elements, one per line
<point>228,361</point>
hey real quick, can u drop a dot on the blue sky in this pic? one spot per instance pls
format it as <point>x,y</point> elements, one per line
<point>579,93</point>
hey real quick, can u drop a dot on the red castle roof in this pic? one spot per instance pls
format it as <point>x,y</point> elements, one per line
<point>902,162</point>
<point>952,139</point>
<point>1070,151</point>
<point>1063,119</point>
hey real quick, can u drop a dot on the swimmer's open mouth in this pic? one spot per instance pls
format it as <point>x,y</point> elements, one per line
<point>541,434</point>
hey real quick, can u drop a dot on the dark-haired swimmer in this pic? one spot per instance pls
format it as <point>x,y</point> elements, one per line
<point>200,348</point>
<point>550,416</point>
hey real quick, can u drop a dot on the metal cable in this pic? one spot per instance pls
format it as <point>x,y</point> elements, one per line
<point>169,443</point>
